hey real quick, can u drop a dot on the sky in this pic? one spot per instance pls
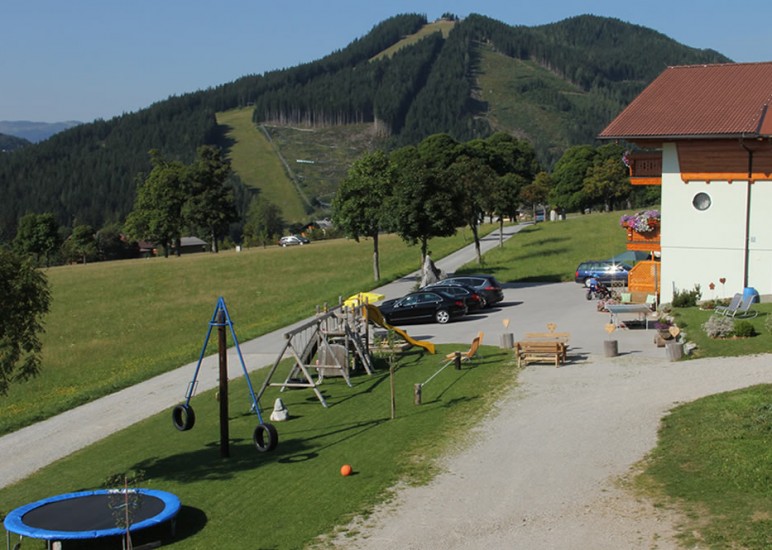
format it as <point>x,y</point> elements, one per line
<point>81,60</point>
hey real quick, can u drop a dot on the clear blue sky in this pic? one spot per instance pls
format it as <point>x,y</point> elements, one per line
<point>86,59</point>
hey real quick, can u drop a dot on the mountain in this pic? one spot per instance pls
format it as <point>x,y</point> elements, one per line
<point>557,85</point>
<point>10,143</point>
<point>34,131</point>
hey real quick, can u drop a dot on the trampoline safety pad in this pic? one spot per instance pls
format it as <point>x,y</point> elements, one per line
<point>91,514</point>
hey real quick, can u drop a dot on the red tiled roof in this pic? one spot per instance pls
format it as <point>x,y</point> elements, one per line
<point>700,101</point>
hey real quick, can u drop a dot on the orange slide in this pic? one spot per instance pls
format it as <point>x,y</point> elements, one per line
<point>374,314</point>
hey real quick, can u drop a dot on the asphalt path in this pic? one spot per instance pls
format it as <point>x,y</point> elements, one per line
<point>526,308</point>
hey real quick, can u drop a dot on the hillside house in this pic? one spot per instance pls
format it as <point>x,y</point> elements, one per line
<point>704,133</point>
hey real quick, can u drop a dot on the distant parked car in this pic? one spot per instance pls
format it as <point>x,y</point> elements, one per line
<point>291,240</point>
<point>472,299</point>
<point>423,306</point>
<point>486,286</point>
<point>605,271</point>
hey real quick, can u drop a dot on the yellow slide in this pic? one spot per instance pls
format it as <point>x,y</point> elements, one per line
<point>374,314</point>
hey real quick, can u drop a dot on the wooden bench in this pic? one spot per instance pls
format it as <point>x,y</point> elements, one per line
<point>540,351</point>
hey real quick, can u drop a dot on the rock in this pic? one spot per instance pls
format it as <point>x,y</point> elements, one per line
<point>280,412</point>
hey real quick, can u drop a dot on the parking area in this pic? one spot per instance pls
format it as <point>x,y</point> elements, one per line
<point>529,307</point>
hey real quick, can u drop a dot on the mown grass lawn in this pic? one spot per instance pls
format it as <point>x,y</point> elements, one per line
<point>287,498</point>
<point>713,462</point>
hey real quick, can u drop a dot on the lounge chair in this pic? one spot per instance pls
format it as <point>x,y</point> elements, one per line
<point>744,311</point>
<point>731,309</point>
<point>469,354</point>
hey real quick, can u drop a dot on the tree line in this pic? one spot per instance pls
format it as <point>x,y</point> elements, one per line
<point>423,185</point>
<point>431,189</point>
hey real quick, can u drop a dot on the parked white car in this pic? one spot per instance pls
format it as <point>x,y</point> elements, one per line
<point>290,240</point>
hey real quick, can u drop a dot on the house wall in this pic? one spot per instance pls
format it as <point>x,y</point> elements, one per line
<point>760,238</point>
<point>702,247</point>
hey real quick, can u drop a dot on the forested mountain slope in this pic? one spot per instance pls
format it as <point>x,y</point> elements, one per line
<point>555,84</point>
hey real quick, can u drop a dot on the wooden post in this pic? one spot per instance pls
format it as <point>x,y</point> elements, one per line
<point>457,360</point>
<point>393,398</point>
<point>223,356</point>
<point>417,394</point>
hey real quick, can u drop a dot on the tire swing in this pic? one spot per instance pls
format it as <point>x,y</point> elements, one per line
<point>183,417</point>
<point>265,436</point>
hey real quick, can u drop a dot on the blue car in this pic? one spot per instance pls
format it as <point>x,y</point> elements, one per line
<point>605,271</point>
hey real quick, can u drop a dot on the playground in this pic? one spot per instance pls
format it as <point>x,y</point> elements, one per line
<point>366,418</point>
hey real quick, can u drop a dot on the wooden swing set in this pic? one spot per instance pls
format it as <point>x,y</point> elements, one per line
<point>324,346</point>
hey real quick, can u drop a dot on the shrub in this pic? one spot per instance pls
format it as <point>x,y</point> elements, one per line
<point>687,298</point>
<point>718,326</point>
<point>744,329</point>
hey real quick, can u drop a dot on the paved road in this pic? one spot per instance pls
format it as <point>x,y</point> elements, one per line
<point>27,450</point>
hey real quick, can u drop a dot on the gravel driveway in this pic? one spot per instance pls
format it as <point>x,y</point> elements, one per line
<point>545,470</point>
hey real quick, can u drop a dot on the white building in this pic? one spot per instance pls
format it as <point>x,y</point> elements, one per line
<point>705,134</point>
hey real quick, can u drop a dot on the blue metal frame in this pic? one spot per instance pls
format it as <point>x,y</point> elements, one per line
<point>214,323</point>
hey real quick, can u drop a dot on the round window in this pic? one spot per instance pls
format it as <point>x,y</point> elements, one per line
<point>701,201</point>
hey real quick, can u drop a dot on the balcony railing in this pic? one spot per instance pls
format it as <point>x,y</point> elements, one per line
<point>645,167</point>
<point>645,242</point>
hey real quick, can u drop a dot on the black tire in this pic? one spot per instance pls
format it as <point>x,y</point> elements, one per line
<point>265,437</point>
<point>442,316</point>
<point>589,294</point>
<point>483,302</point>
<point>183,417</point>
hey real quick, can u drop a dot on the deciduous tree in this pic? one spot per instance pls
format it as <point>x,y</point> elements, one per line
<point>210,204</point>
<point>157,214</point>
<point>38,236</point>
<point>26,299</point>
<point>474,181</point>
<point>360,206</point>
<point>568,178</point>
<point>423,204</point>
<point>264,222</point>
<point>80,246</point>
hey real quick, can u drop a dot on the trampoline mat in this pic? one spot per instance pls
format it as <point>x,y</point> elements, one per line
<point>90,513</point>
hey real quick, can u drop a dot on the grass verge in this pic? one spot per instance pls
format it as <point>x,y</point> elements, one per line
<point>713,463</point>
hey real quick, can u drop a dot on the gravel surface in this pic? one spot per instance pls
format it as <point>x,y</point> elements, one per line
<point>547,469</point>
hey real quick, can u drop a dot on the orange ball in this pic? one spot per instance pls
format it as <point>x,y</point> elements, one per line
<point>345,470</point>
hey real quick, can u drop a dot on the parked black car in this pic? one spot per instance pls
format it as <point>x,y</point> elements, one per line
<point>423,306</point>
<point>486,286</point>
<point>473,301</point>
<point>605,271</point>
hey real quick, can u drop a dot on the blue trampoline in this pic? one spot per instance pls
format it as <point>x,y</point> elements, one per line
<point>91,514</point>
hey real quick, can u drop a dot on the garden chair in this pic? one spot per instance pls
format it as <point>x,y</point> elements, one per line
<point>731,309</point>
<point>471,353</point>
<point>744,311</point>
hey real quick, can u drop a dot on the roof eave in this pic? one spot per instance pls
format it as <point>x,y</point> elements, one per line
<point>676,137</point>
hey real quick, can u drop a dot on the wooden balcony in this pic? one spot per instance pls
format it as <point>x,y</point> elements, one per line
<point>645,167</point>
<point>645,242</point>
